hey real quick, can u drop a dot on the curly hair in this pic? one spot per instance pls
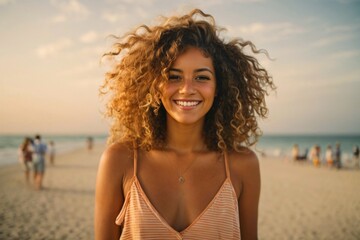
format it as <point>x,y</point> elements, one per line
<point>142,59</point>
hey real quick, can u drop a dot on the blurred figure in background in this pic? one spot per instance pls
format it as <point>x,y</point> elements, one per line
<point>329,156</point>
<point>315,155</point>
<point>51,152</point>
<point>356,156</point>
<point>337,156</point>
<point>295,152</point>
<point>39,162</point>
<point>90,143</point>
<point>25,157</point>
<point>303,157</point>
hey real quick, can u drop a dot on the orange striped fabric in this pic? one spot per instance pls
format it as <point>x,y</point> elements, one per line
<point>219,220</point>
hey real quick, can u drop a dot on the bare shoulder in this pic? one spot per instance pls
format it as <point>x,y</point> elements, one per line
<point>244,168</point>
<point>243,160</point>
<point>117,154</point>
<point>114,172</point>
<point>115,165</point>
<point>116,159</point>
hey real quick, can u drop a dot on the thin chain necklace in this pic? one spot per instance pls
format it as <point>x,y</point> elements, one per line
<point>181,177</point>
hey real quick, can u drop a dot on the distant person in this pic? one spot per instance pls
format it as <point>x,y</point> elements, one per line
<point>25,157</point>
<point>295,152</point>
<point>90,143</point>
<point>304,156</point>
<point>315,155</point>
<point>337,156</point>
<point>329,156</point>
<point>39,162</point>
<point>356,156</point>
<point>51,152</point>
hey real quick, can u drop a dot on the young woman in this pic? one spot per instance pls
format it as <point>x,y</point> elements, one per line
<point>25,157</point>
<point>184,107</point>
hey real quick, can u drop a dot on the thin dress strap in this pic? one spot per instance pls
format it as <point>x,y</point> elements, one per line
<point>226,157</point>
<point>135,160</point>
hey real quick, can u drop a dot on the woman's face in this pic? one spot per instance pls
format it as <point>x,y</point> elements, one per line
<point>190,91</point>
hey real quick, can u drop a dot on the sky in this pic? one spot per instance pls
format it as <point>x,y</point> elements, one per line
<point>50,52</point>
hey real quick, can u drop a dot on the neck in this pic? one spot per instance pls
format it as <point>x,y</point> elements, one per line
<point>183,138</point>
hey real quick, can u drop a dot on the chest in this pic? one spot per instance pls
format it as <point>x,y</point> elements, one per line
<point>180,203</point>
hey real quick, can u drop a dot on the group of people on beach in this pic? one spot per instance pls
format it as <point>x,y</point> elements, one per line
<point>331,157</point>
<point>32,155</point>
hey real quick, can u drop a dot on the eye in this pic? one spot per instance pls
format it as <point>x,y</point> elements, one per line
<point>174,77</point>
<point>202,78</point>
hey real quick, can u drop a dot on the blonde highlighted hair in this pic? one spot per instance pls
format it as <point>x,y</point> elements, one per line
<point>142,59</point>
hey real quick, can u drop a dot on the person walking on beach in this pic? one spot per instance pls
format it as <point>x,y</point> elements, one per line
<point>25,157</point>
<point>295,152</point>
<point>39,162</point>
<point>337,156</point>
<point>89,143</point>
<point>185,105</point>
<point>329,156</point>
<point>315,155</point>
<point>51,152</point>
<point>317,158</point>
<point>356,156</point>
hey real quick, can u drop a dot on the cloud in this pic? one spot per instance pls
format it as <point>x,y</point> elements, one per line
<point>125,14</point>
<point>93,50</point>
<point>53,48</point>
<point>336,29</point>
<point>89,37</point>
<point>326,41</point>
<point>139,2</point>
<point>269,32</point>
<point>110,17</point>
<point>69,8</point>
<point>73,7</point>
<point>59,18</point>
<point>333,34</point>
<point>85,69</point>
<point>283,28</point>
<point>211,3</point>
<point>345,54</point>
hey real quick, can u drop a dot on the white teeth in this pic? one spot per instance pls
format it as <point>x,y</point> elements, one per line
<point>187,103</point>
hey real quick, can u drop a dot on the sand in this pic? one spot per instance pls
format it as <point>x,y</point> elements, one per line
<point>63,210</point>
<point>297,201</point>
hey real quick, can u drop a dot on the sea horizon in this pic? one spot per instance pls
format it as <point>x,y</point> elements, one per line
<point>269,144</point>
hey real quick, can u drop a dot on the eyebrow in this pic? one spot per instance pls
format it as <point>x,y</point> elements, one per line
<point>196,70</point>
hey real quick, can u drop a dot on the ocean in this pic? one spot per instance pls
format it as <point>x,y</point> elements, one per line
<point>9,144</point>
<point>269,145</point>
<point>281,145</point>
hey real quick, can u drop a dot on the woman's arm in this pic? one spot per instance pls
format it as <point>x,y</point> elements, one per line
<point>109,196</point>
<point>248,172</point>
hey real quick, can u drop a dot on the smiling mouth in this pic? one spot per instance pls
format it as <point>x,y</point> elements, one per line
<point>188,103</point>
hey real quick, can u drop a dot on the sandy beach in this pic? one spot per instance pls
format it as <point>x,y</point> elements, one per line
<point>297,201</point>
<point>63,210</point>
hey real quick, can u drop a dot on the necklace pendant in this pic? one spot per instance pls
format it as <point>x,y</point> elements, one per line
<point>181,179</point>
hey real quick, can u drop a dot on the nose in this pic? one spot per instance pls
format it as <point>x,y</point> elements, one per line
<point>187,87</point>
